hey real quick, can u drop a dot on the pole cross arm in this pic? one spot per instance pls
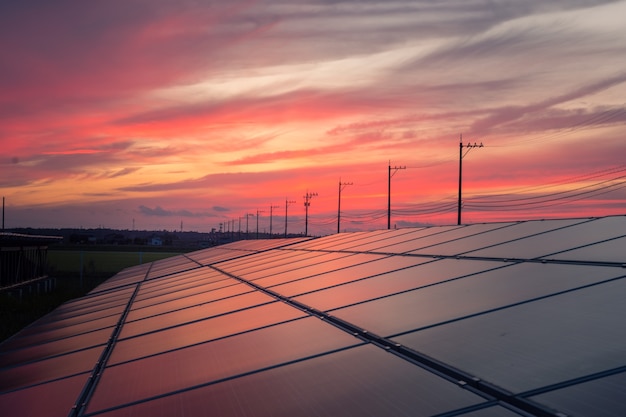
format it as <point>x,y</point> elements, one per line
<point>468,148</point>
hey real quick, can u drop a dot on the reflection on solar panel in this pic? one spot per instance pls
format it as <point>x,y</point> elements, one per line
<point>499,319</point>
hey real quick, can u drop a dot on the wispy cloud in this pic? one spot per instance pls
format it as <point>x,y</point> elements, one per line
<point>513,113</point>
<point>224,106</point>
<point>158,211</point>
<point>123,172</point>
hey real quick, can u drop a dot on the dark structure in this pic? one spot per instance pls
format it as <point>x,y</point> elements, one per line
<point>23,260</point>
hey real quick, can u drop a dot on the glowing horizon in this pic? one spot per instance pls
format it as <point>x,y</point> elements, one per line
<point>159,112</point>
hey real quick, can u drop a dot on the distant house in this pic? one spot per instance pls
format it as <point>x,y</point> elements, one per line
<point>156,241</point>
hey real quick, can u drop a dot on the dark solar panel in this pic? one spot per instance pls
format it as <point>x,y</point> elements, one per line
<point>484,320</point>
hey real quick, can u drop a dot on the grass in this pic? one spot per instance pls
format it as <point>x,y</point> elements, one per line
<point>64,265</point>
<point>17,312</point>
<point>68,262</point>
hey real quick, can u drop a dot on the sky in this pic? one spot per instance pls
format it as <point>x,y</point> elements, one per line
<point>170,114</point>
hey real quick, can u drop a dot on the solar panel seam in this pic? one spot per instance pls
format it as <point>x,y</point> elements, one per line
<point>156,297</point>
<point>397,292</point>
<point>316,274</point>
<point>530,235</point>
<point>220,380</point>
<point>418,359</point>
<point>288,242</point>
<point>442,369</point>
<point>394,236</point>
<point>340,269</point>
<point>447,241</point>
<point>191,259</point>
<point>17,349</point>
<point>471,409</point>
<point>203,342</point>
<point>265,268</point>
<point>351,252</point>
<point>87,391</point>
<point>172,272</point>
<point>186,307</point>
<point>570,262</point>
<point>231,259</point>
<point>437,367</point>
<point>182,289</point>
<point>258,287</point>
<point>488,311</point>
<point>86,302</point>
<point>511,259</point>
<point>50,357</point>
<point>541,259</point>
<point>93,307</point>
<point>584,246</point>
<point>155,293</point>
<point>428,255</point>
<point>37,328</point>
<point>468,381</point>
<point>116,288</point>
<point>330,240</point>
<point>494,238</point>
<point>243,263</point>
<point>44,382</point>
<point>574,381</point>
<point>300,306</point>
<point>181,324</point>
<point>53,355</point>
<point>479,407</point>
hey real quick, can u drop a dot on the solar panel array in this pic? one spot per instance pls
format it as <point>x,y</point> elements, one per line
<point>497,319</point>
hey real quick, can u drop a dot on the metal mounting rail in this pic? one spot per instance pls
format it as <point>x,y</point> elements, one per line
<point>85,395</point>
<point>462,378</point>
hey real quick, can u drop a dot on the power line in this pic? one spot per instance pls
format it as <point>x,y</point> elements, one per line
<point>525,200</point>
<point>557,203</point>
<point>570,180</point>
<point>546,202</point>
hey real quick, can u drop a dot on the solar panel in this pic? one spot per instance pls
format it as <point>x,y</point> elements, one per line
<point>494,319</point>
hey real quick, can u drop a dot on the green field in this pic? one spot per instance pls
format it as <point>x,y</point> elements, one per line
<point>98,263</point>
<point>64,265</point>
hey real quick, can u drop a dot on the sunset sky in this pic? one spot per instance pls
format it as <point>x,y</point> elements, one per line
<point>149,113</point>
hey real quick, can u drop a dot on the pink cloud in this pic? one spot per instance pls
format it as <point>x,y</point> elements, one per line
<point>78,105</point>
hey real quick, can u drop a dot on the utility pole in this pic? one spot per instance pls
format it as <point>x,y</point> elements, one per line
<point>342,185</point>
<point>287,202</point>
<point>239,234</point>
<point>3,214</point>
<point>307,203</point>
<point>395,169</point>
<point>257,222</point>
<point>271,215</point>
<point>247,217</point>
<point>469,147</point>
